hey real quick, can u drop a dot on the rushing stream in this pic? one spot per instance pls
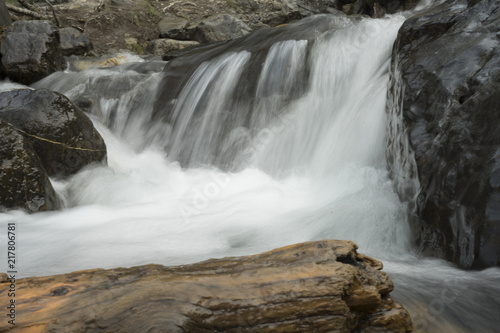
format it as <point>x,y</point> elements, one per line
<point>304,161</point>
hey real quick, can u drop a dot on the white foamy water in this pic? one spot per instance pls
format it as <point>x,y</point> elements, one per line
<point>307,168</point>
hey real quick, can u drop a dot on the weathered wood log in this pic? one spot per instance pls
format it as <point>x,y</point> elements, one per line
<point>27,12</point>
<point>322,286</point>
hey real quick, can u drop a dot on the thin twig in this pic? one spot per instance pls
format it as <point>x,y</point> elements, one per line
<point>53,12</point>
<point>77,28</point>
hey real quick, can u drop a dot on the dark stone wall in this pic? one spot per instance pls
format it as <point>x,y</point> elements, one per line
<point>445,97</point>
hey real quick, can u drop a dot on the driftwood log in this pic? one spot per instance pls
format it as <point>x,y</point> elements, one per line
<point>323,286</point>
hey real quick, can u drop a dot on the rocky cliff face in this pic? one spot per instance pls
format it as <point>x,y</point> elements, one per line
<point>322,286</point>
<point>444,151</point>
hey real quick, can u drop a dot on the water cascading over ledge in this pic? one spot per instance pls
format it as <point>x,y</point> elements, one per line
<point>316,169</point>
<point>302,106</point>
<point>216,101</point>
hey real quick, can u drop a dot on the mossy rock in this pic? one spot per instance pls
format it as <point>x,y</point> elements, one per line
<point>61,134</point>
<point>23,180</point>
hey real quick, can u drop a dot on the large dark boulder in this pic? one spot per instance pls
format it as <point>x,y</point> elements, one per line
<point>61,134</point>
<point>30,51</point>
<point>444,146</point>
<point>23,180</point>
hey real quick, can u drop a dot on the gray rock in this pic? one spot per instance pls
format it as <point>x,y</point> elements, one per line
<point>165,45</point>
<point>4,15</point>
<point>220,28</point>
<point>30,51</point>
<point>74,42</point>
<point>61,134</point>
<point>173,27</point>
<point>248,5</point>
<point>23,181</point>
<point>444,102</point>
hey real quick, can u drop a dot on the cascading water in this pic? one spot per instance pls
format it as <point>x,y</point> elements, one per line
<point>304,161</point>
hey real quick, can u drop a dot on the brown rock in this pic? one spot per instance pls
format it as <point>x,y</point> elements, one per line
<point>310,287</point>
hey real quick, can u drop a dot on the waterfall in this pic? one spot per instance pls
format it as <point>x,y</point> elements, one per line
<point>260,148</point>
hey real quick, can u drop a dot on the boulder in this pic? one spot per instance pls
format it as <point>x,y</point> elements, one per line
<point>23,181</point>
<point>30,51</point>
<point>322,286</point>
<point>220,28</point>
<point>5,19</point>
<point>173,27</point>
<point>444,142</point>
<point>165,45</point>
<point>74,42</point>
<point>61,134</point>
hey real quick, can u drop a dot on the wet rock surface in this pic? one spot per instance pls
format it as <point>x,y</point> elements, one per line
<point>323,286</point>
<point>74,42</point>
<point>23,181</point>
<point>30,51</point>
<point>445,91</point>
<point>61,134</point>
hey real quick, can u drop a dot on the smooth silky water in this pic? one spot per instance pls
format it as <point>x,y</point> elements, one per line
<point>305,164</point>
